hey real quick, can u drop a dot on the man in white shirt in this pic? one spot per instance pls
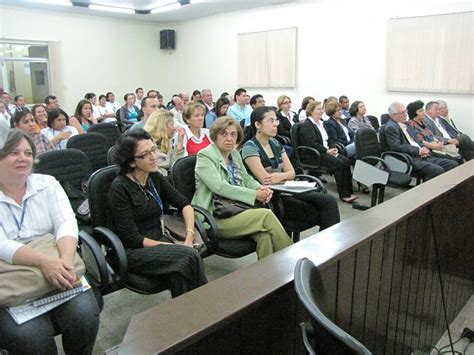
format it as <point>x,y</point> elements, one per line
<point>6,98</point>
<point>177,111</point>
<point>139,94</point>
<point>206,97</point>
<point>111,102</point>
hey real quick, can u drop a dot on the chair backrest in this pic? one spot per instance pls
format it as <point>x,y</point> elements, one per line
<point>374,121</point>
<point>94,145</point>
<point>99,184</point>
<point>367,143</point>
<point>109,130</point>
<point>328,337</point>
<point>295,137</point>
<point>69,166</point>
<point>183,177</point>
<point>382,138</point>
<point>384,118</point>
<point>110,155</point>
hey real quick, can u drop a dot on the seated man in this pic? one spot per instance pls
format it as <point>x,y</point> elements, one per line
<point>466,146</point>
<point>446,134</point>
<point>240,110</point>
<point>399,140</point>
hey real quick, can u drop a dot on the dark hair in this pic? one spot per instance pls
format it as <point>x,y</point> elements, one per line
<point>89,95</point>
<point>412,107</point>
<point>125,97</point>
<point>17,97</point>
<point>33,109</point>
<point>49,98</point>
<point>306,101</point>
<point>219,103</point>
<point>138,89</point>
<point>102,96</point>
<point>257,116</point>
<point>342,98</point>
<point>152,90</point>
<point>225,94</point>
<point>239,92</point>
<point>126,147</point>
<point>108,94</point>
<point>429,104</point>
<point>159,97</point>
<point>196,92</point>
<point>13,139</point>
<point>354,108</point>
<point>18,116</point>
<point>55,113</point>
<point>254,98</point>
<point>80,105</point>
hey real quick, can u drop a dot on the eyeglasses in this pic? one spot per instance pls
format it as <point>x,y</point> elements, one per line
<point>148,153</point>
<point>272,121</point>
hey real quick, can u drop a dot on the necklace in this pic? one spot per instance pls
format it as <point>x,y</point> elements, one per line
<point>143,189</point>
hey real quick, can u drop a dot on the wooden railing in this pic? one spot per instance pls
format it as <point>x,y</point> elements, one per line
<point>380,270</point>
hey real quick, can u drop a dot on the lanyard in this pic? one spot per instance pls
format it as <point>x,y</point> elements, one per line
<point>232,172</point>
<point>19,224</point>
<point>154,194</point>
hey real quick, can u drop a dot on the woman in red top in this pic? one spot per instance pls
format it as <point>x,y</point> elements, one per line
<point>196,137</point>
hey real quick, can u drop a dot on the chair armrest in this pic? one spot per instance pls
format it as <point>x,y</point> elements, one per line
<point>340,148</point>
<point>307,332</point>
<point>99,258</point>
<point>377,162</point>
<point>284,140</point>
<point>211,235</point>
<point>319,183</point>
<point>309,151</point>
<point>112,241</point>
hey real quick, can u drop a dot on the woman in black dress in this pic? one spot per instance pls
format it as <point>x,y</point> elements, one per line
<point>136,200</point>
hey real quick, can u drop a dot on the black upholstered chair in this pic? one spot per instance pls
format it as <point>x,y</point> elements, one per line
<point>119,276</point>
<point>374,121</point>
<point>94,146</point>
<point>109,130</point>
<point>321,335</point>
<point>184,181</point>
<point>72,169</point>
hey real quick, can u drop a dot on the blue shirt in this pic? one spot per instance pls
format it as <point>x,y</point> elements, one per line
<point>240,113</point>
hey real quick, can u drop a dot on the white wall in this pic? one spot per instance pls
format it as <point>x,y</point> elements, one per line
<point>95,54</point>
<point>340,50</point>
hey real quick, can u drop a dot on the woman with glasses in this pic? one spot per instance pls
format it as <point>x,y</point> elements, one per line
<point>220,171</point>
<point>285,116</point>
<point>136,202</point>
<point>269,164</point>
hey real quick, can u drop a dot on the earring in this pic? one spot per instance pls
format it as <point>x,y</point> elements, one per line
<point>132,165</point>
<point>259,131</point>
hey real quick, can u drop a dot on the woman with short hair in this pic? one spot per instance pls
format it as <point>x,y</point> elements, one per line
<point>285,116</point>
<point>358,119</point>
<point>59,131</point>
<point>195,136</point>
<point>338,132</point>
<point>220,171</point>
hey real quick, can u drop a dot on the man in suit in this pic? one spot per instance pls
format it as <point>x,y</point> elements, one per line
<point>399,140</point>
<point>444,132</point>
<point>466,146</point>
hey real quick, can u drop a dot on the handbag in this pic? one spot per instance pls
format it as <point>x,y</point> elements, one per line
<point>19,283</point>
<point>225,207</point>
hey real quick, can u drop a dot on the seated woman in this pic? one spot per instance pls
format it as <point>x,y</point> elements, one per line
<point>106,112</point>
<point>136,199</point>
<point>219,110</point>
<point>314,135</point>
<point>31,206</point>
<point>195,136</point>
<point>285,116</point>
<point>41,117</point>
<point>358,120</point>
<point>196,95</point>
<point>83,117</point>
<point>160,125</point>
<point>269,163</point>
<point>337,130</point>
<point>129,111</point>
<point>25,121</point>
<point>58,131</point>
<point>302,111</point>
<point>220,170</point>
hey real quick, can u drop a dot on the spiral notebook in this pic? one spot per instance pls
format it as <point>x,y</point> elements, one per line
<point>33,309</point>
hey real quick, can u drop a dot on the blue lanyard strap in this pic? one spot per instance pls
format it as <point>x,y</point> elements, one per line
<point>19,224</point>
<point>232,172</point>
<point>155,195</point>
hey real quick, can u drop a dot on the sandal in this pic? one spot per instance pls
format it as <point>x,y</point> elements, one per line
<point>350,199</point>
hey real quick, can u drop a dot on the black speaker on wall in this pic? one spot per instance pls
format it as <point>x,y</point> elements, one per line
<point>167,39</point>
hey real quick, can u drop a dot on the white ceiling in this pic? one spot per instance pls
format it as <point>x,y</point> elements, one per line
<point>184,13</point>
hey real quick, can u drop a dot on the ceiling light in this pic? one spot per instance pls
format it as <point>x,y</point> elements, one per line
<point>174,5</point>
<point>57,2</point>
<point>121,10</point>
